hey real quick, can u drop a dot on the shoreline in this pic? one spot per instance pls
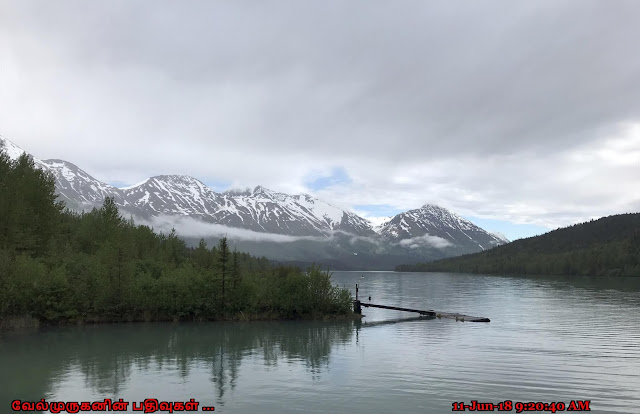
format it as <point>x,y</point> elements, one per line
<point>18,323</point>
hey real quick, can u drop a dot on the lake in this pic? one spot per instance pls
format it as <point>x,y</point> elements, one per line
<point>550,339</point>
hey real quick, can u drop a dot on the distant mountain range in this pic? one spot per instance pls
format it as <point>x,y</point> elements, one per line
<point>295,228</point>
<point>609,246</point>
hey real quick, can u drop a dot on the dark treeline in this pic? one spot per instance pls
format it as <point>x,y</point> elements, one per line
<point>609,246</point>
<point>57,265</point>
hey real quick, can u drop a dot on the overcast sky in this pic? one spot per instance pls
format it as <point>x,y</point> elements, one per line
<point>522,116</point>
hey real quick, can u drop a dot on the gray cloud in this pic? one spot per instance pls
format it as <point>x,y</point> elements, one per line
<point>523,111</point>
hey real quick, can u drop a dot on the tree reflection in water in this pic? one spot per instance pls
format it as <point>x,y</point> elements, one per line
<point>106,355</point>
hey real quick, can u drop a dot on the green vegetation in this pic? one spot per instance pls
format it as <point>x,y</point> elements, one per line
<point>609,246</point>
<point>57,266</point>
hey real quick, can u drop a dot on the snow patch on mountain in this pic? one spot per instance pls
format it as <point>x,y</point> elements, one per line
<point>129,187</point>
<point>500,236</point>
<point>13,151</point>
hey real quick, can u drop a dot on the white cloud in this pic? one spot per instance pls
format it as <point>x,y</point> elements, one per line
<point>194,228</point>
<point>425,240</point>
<point>190,227</point>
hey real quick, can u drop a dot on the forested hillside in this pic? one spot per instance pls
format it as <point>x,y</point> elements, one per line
<point>609,246</point>
<point>56,265</point>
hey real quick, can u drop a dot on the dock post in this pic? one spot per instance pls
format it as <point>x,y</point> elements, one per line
<point>357,308</point>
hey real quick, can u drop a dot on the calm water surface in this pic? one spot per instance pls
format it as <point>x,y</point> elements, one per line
<point>549,339</point>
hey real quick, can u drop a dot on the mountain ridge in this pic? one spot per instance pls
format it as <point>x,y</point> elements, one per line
<point>429,230</point>
<point>608,246</point>
<point>436,221</point>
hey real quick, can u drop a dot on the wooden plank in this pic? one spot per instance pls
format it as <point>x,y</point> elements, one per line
<point>449,315</point>
<point>421,312</point>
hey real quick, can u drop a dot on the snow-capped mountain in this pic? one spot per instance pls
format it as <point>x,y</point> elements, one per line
<point>170,195</point>
<point>427,232</point>
<point>436,226</point>
<point>73,185</point>
<point>14,152</point>
<point>268,211</point>
<point>260,209</point>
<point>76,186</point>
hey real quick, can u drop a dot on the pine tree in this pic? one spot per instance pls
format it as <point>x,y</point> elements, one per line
<point>202,255</point>
<point>223,249</point>
<point>235,270</point>
<point>29,213</point>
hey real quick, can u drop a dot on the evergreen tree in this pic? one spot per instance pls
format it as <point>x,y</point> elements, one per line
<point>235,270</point>
<point>223,252</point>
<point>29,212</point>
<point>202,256</point>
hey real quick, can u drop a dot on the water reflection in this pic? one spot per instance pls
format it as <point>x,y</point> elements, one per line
<point>107,356</point>
<point>550,339</point>
<point>365,324</point>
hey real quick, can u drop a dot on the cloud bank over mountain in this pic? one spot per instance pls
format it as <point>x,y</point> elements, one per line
<point>524,112</point>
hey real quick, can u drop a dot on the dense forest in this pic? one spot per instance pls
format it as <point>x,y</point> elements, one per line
<point>57,265</point>
<point>609,246</point>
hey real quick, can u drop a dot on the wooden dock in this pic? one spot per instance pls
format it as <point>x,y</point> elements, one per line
<point>421,312</point>
<point>357,308</point>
